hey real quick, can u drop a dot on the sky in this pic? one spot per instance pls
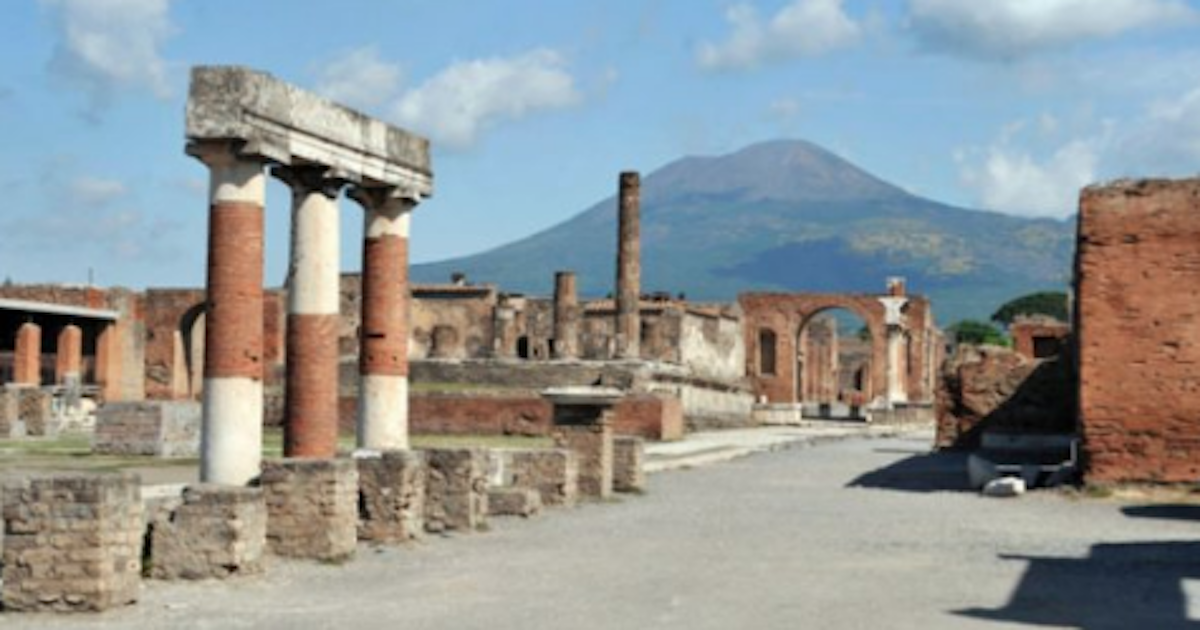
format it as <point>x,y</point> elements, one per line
<point>534,106</point>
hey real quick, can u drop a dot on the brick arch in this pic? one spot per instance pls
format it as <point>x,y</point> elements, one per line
<point>786,314</point>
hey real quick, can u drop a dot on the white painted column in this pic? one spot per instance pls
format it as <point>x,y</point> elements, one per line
<point>897,366</point>
<point>231,433</point>
<point>383,359</point>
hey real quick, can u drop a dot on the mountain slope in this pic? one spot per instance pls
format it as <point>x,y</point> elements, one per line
<point>788,215</point>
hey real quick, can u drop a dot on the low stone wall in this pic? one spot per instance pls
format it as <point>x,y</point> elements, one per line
<point>312,508</point>
<point>391,496</point>
<point>456,489</point>
<point>156,428</point>
<point>479,413</point>
<point>215,532</point>
<point>593,447</point>
<point>651,416</point>
<point>523,502</point>
<point>552,473</point>
<point>707,408</point>
<point>629,457</point>
<point>72,543</point>
<point>26,411</point>
<point>903,415</point>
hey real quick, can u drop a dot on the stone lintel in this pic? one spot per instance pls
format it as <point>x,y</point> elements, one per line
<point>273,120</point>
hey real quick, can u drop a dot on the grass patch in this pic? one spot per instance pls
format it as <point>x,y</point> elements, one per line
<point>273,442</point>
<point>72,452</point>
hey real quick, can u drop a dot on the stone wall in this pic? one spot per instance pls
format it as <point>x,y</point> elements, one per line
<point>156,428</point>
<point>391,503</point>
<point>989,388</point>
<point>479,413</point>
<point>1039,337</point>
<point>553,473</point>
<point>629,456</point>
<point>72,543</point>
<point>214,532</point>
<point>1137,265</point>
<point>456,489</point>
<point>312,508</point>
<point>593,447</point>
<point>712,346</point>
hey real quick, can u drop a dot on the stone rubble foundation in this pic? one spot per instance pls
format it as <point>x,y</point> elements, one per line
<point>391,503</point>
<point>523,502</point>
<point>216,532</point>
<point>629,456</point>
<point>456,489</point>
<point>312,508</point>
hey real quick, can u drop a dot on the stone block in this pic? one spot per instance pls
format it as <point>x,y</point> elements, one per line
<point>391,496</point>
<point>34,408</point>
<point>72,543</point>
<point>159,428</point>
<point>456,489</point>
<point>593,447</point>
<point>10,418</point>
<point>629,457</point>
<point>510,501</point>
<point>312,507</point>
<point>554,473</point>
<point>215,532</point>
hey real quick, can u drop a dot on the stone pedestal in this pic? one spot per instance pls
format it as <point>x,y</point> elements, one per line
<point>217,532</point>
<point>583,423</point>
<point>456,489</point>
<point>554,473</point>
<point>311,508</point>
<point>72,543</point>
<point>157,428</point>
<point>629,456</point>
<point>391,491</point>
<point>524,502</point>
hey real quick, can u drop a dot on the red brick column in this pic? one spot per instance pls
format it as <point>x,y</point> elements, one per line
<point>311,395</point>
<point>108,362</point>
<point>231,437</point>
<point>27,358</point>
<point>629,268</point>
<point>68,360</point>
<point>383,358</point>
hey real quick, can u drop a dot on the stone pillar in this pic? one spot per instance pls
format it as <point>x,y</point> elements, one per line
<point>566,316</point>
<point>68,359</point>
<point>629,268</point>
<point>312,508</point>
<point>311,394</point>
<point>231,435</point>
<point>27,356</point>
<point>897,365</point>
<point>583,419</point>
<point>108,362</point>
<point>383,356</point>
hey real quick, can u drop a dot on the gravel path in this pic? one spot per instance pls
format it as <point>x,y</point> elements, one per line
<point>861,533</point>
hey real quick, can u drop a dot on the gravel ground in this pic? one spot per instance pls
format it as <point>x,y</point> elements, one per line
<point>861,533</point>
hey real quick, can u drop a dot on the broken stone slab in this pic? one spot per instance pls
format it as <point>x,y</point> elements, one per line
<point>215,532</point>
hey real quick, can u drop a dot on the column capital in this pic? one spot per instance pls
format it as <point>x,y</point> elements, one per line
<point>385,198</point>
<point>310,178</point>
<point>219,153</point>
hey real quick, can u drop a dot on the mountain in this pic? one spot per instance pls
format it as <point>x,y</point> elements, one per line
<point>790,216</point>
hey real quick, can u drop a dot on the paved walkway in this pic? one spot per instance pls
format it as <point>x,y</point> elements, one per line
<point>854,533</point>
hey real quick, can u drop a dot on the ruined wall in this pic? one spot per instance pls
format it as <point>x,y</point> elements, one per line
<point>989,388</point>
<point>712,345</point>
<point>1137,307</point>
<point>1039,337</point>
<point>451,322</point>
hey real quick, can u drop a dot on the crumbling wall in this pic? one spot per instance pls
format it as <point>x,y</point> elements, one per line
<point>989,388</point>
<point>713,346</point>
<point>1137,272</point>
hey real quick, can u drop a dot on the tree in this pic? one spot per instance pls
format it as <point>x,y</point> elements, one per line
<point>1052,303</point>
<point>976,332</point>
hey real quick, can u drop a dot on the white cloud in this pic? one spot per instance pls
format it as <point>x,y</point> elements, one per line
<point>1164,141</point>
<point>94,191</point>
<point>1011,29</point>
<point>1012,176</point>
<point>359,78</point>
<point>803,28</point>
<point>109,45</point>
<point>456,105</point>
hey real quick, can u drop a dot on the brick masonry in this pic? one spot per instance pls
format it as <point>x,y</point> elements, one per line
<point>553,473</point>
<point>593,447</point>
<point>72,543</point>
<point>1137,273</point>
<point>312,508</point>
<point>158,428</point>
<point>391,504</point>
<point>1039,337</point>
<point>456,489</point>
<point>215,532</point>
<point>510,501</point>
<point>629,457</point>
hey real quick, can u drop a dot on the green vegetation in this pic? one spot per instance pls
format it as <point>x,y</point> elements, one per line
<point>1052,303</point>
<point>72,452</point>
<point>977,332</point>
<point>273,442</point>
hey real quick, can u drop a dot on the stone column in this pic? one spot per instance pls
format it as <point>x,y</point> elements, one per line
<point>383,356</point>
<point>566,316</point>
<point>897,365</point>
<point>311,394</point>
<point>27,356</point>
<point>231,433</point>
<point>68,358</point>
<point>629,268</point>
<point>108,363</point>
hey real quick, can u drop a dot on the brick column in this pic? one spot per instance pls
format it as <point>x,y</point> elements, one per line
<point>629,268</point>
<point>68,358</point>
<point>566,316</point>
<point>108,362</point>
<point>311,394</point>
<point>383,357</point>
<point>231,434</point>
<point>27,357</point>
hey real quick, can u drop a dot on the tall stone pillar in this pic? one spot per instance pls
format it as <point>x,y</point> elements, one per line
<point>566,316</point>
<point>231,433</point>
<point>108,363</point>
<point>311,394</point>
<point>383,356</point>
<point>27,356</point>
<point>68,358</point>
<point>897,365</point>
<point>629,268</point>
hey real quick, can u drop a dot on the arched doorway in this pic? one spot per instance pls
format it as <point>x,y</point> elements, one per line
<point>835,349</point>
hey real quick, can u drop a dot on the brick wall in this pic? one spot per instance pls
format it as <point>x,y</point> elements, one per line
<point>1138,320</point>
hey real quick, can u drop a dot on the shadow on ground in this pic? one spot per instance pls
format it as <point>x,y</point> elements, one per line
<point>1172,511</point>
<point>1125,585</point>
<point>928,472</point>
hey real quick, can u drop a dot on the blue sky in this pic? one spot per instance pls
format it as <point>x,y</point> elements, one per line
<point>535,105</point>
